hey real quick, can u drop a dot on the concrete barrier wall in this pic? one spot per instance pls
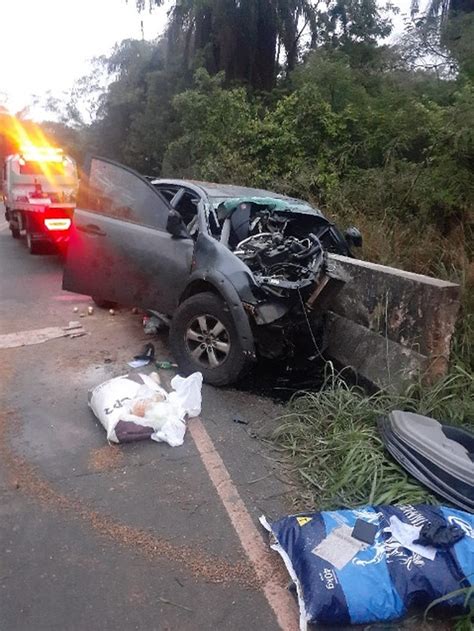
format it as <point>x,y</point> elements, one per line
<point>390,325</point>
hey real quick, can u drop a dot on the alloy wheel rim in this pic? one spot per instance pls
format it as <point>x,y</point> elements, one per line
<point>207,341</point>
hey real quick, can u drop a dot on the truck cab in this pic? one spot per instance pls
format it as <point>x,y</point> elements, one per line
<point>39,187</point>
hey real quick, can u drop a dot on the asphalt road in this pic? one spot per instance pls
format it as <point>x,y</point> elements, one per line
<point>139,536</point>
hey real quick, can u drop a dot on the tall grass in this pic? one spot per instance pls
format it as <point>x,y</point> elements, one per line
<point>331,441</point>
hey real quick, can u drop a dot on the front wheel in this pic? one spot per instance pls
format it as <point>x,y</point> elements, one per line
<point>203,338</point>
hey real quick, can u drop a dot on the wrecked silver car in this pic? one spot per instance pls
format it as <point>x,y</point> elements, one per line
<point>242,272</point>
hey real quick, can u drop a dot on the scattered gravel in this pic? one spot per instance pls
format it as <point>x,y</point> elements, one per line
<point>197,563</point>
<point>105,458</point>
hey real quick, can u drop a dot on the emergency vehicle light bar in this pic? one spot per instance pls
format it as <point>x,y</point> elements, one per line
<point>31,153</point>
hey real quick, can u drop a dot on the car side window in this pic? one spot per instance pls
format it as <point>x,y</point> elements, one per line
<point>168,192</point>
<point>116,192</point>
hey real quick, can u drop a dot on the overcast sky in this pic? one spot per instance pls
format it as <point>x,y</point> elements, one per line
<point>45,45</point>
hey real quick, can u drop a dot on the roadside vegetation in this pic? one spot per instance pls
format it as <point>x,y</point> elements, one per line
<point>331,442</point>
<point>315,100</point>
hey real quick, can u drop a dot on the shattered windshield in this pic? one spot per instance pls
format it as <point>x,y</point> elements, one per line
<point>287,204</point>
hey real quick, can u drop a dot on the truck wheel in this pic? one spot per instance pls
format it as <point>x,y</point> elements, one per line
<point>203,338</point>
<point>34,247</point>
<point>13,223</point>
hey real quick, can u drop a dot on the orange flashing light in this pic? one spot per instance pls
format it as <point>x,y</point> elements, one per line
<point>32,153</point>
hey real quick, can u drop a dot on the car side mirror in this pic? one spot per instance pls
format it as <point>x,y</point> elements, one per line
<point>353,237</point>
<point>176,227</point>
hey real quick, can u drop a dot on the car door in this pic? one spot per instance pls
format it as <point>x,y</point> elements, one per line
<point>119,249</point>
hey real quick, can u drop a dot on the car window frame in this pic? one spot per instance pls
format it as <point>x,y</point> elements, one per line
<point>161,197</point>
<point>203,206</point>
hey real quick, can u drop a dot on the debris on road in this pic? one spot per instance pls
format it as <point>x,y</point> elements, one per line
<point>105,458</point>
<point>78,334</point>
<point>436,454</point>
<point>72,326</point>
<point>146,356</point>
<point>112,311</point>
<point>241,421</point>
<point>38,336</point>
<point>342,580</point>
<point>76,309</point>
<point>166,365</point>
<point>155,323</point>
<point>132,411</point>
<point>90,310</point>
<point>165,601</point>
<point>440,534</point>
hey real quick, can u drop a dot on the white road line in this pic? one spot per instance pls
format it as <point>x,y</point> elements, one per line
<point>38,336</point>
<point>279,599</point>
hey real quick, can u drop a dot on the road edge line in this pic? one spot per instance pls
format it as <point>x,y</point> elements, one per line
<point>278,598</point>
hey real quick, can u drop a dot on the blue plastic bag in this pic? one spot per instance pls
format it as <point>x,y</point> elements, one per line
<point>340,580</point>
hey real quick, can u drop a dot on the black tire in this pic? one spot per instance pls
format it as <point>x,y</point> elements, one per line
<point>34,247</point>
<point>103,304</point>
<point>186,335</point>
<point>12,224</point>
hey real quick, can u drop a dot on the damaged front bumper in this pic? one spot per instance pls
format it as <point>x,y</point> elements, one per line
<point>281,323</point>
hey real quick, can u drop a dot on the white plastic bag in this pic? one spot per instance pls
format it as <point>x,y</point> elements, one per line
<point>187,390</point>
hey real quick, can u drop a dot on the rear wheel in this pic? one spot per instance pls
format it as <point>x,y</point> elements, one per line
<point>13,223</point>
<point>34,246</point>
<point>203,338</point>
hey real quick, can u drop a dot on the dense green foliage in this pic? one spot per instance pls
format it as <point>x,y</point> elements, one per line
<point>352,124</point>
<point>347,137</point>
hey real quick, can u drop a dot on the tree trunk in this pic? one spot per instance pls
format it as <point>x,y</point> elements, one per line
<point>263,70</point>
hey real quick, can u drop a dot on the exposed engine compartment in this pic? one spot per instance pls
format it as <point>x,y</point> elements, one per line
<point>285,248</point>
<point>281,250</point>
<point>282,262</point>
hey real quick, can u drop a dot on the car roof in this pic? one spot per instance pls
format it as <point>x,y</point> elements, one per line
<point>220,191</point>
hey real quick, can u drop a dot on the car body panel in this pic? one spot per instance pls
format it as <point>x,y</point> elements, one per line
<point>123,261</point>
<point>120,263</point>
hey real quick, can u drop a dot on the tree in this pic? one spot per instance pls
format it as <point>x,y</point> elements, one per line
<point>453,21</point>
<point>445,8</point>
<point>240,37</point>
<point>124,99</point>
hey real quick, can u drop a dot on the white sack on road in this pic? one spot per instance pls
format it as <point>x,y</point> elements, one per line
<point>132,411</point>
